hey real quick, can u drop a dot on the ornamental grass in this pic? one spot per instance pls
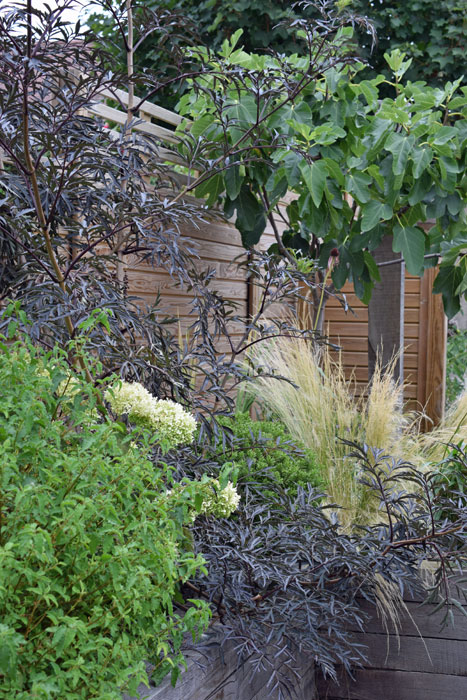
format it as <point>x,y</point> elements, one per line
<point>319,406</point>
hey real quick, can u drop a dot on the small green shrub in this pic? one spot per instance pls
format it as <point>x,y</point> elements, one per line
<point>93,542</point>
<point>456,364</point>
<point>450,479</point>
<point>265,450</point>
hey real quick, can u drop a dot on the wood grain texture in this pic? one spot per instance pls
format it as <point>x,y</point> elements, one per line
<point>397,685</point>
<point>216,677</point>
<point>418,621</point>
<point>427,654</point>
<point>424,661</point>
<point>432,351</point>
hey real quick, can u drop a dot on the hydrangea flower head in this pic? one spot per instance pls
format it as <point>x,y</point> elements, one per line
<point>220,502</point>
<point>168,418</point>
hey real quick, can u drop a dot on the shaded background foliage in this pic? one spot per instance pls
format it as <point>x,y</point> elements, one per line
<point>430,31</point>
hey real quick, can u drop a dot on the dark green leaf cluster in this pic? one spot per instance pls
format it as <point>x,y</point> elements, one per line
<point>91,550</point>
<point>431,32</point>
<point>263,450</point>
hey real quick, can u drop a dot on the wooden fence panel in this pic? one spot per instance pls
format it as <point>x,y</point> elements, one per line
<point>425,332</point>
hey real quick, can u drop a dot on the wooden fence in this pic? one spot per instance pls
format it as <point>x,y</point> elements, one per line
<point>425,332</point>
<point>219,243</point>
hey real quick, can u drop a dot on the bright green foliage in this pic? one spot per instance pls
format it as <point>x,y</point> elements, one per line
<point>402,161</point>
<point>264,451</point>
<point>92,546</point>
<point>456,364</point>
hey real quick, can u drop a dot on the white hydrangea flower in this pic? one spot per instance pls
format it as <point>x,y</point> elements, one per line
<point>220,503</point>
<point>131,398</point>
<point>223,502</point>
<point>172,422</point>
<point>168,418</point>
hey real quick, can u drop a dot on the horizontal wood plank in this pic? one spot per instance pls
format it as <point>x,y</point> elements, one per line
<point>418,621</point>
<point>155,111</point>
<point>119,117</point>
<point>397,685</point>
<point>427,654</point>
<point>360,359</point>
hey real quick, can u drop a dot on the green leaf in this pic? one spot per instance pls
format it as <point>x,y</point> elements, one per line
<point>298,113</point>
<point>410,241</point>
<point>233,181</point>
<point>326,134</point>
<point>400,146</point>
<point>314,176</point>
<point>421,159</point>
<point>444,134</point>
<point>369,91</point>
<point>243,112</point>
<point>291,164</point>
<point>251,218</point>
<point>357,185</point>
<point>302,129</point>
<point>212,188</point>
<point>373,170</point>
<point>200,125</point>
<point>446,283</point>
<point>373,213</point>
<point>372,266</point>
<point>335,171</point>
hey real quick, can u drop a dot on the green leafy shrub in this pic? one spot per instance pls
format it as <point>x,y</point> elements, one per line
<point>451,476</point>
<point>456,363</point>
<point>93,541</point>
<point>265,450</point>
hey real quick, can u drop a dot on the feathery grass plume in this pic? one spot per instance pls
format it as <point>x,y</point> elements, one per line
<point>384,419</point>
<point>432,446</point>
<point>319,405</point>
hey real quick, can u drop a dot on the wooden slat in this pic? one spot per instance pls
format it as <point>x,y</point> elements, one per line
<point>215,231</point>
<point>418,620</point>
<point>410,391</point>
<point>164,115</point>
<point>145,282</point>
<point>427,655</point>
<point>115,115</point>
<point>360,359</point>
<point>224,270</point>
<point>432,351</point>
<point>398,685</point>
<point>337,314</point>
